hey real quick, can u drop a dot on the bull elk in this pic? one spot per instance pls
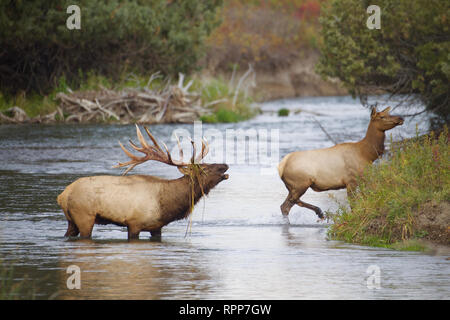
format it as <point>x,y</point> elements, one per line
<point>336,167</point>
<point>140,202</point>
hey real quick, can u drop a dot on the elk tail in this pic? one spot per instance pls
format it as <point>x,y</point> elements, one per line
<point>281,166</point>
<point>62,202</point>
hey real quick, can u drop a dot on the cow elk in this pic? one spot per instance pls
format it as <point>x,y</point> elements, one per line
<point>336,167</point>
<point>140,202</point>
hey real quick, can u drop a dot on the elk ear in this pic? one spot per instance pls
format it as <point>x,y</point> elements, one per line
<point>386,110</point>
<point>373,113</point>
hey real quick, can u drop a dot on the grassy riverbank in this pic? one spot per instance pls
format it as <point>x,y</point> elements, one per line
<point>403,200</point>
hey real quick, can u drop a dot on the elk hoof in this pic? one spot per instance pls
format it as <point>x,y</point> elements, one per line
<point>320,214</point>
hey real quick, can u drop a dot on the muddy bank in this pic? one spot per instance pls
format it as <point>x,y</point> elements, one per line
<point>430,228</point>
<point>432,222</point>
<point>299,79</point>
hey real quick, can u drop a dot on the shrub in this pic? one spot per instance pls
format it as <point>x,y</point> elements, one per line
<point>268,34</point>
<point>227,105</point>
<point>283,112</point>
<point>409,54</point>
<point>116,36</point>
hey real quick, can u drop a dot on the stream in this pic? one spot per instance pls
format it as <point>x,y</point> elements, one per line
<point>237,245</point>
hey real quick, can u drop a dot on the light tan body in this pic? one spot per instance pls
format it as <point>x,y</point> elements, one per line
<point>107,198</point>
<point>333,168</point>
<point>324,169</point>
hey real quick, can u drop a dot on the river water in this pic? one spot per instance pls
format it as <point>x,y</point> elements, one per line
<point>237,246</point>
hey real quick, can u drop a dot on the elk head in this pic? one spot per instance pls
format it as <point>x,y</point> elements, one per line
<point>383,120</point>
<point>202,176</point>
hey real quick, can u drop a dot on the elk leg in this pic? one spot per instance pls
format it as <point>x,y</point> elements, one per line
<point>156,234</point>
<point>132,233</point>
<point>291,199</point>
<point>86,232</point>
<point>287,205</point>
<point>86,227</point>
<point>72,230</point>
<point>317,210</point>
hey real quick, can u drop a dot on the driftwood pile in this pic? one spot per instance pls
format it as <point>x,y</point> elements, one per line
<point>171,104</point>
<point>168,104</point>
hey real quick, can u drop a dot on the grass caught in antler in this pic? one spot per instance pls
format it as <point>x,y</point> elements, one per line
<point>194,173</point>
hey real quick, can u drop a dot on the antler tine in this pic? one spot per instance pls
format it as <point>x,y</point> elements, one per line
<point>169,157</point>
<point>180,149</point>
<point>150,153</point>
<point>135,147</point>
<point>153,139</point>
<point>193,151</point>
<point>204,152</point>
<point>129,168</point>
<point>141,138</point>
<point>128,153</point>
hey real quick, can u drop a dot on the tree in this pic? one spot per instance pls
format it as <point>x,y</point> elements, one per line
<point>408,56</point>
<point>37,48</point>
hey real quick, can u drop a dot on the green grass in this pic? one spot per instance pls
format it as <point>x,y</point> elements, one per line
<point>283,112</point>
<point>383,207</point>
<point>227,108</point>
<point>223,116</point>
<point>35,104</point>
<point>409,245</point>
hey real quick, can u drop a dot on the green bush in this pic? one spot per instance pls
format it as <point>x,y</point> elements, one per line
<point>227,105</point>
<point>409,54</point>
<point>37,49</point>
<point>283,112</point>
<point>222,115</point>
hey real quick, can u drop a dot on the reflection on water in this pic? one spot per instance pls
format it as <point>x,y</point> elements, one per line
<point>239,247</point>
<point>150,270</point>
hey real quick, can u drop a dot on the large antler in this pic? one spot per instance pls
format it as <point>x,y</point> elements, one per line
<point>155,152</point>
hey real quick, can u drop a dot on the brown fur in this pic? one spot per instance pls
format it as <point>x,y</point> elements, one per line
<point>140,202</point>
<point>336,167</point>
